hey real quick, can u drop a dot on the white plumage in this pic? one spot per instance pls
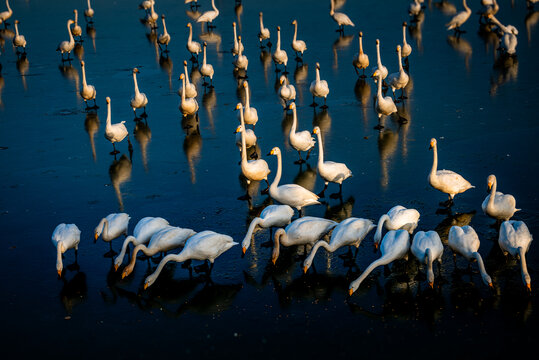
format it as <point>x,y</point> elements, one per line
<point>65,237</point>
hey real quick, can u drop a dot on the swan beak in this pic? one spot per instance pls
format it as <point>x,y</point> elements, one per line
<point>116,266</point>
<point>489,186</point>
<point>60,274</point>
<point>529,287</point>
<point>273,260</point>
<point>375,246</point>
<point>95,237</point>
<point>145,286</point>
<point>430,147</point>
<point>350,292</point>
<point>124,274</point>
<point>431,285</point>
<point>305,268</point>
<point>243,250</point>
<point>490,285</point>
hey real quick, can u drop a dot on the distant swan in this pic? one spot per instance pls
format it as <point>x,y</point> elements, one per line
<point>190,88</point>
<point>241,62</point>
<point>340,18</point>
<point>209,16</point>
<point>65,237</point>
<point>298,46</point>
<point>139,100</point>
<point>193,46</point>
<point>458,20</point>
<point>498,205</point>
<point>111,227</point>
<point>18,40</point>
<point>114,132</point>
<point>249,134</point>
<point>88,91</point>
<point>319,88</point>
<point>379,69</point>
<point>67,46</point>
<point>164,38</point>
<point>279,56</point>
<point>264,33</point>
<point>384,105</point>
<point>301,140</point>
<point>76,30</point>
<point>398,80</point>
<point>206,69</point>
<point>271,216</point>
<point>287,91</point>
<point>89,14</point>
<point>250,115</point>
<point>238,46</point>
<point>4,15</point>
<point>188,106</point>
<point>361,60</point>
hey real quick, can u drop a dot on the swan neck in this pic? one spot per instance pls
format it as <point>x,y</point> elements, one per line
<point>360,45</point>
<point>183,89</point>
<point>247,239</point>
<point>523,265</point>
<point>164,27</point>
<point>465,5</point>
<point>493,192</point>
<point>480,263</point>
<point>213,5</point>
<point>404,35</point>
<point>204,58</point>
<point>384,260</point>
<point>129,239</point>
<point>428,255</point>
<point>379,86</point>
<point>400,61</point>
<point>243,146</point>
<point>166,259</point>
<point>261,23</point>
<point>108,114</point>
<point>71,39</point>
<point>89,6</point>
<point>294,121</point>
<point>76,17</point>
<point>59,246</point>
<point>434,161</point>
<point>315,248</point>
<point>105,226</point>
<point>16,29</point>
<point>295,31</point>
<point>136,84</point>
<point>186,74</point>
<point>84,77</point>
<point>320,149</point>
<point>190,38</point>
<point>378,59</point>
<point>378,234</point>
<point>247,98</point>
<point>277,178</point>
<point>235,36</point>
<point>278,39</point>
<point>317,75</point>
<point>332,8</point>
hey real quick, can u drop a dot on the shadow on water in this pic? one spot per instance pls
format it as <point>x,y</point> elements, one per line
<point>143,135</point>
<point>74,291</point>
<point>91,125</point>
<point>192,143</point>
<point>120,172</point>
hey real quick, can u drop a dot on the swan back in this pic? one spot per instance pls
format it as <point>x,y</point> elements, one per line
<point>307,230</point>
<point>208,245</point>
<point>427,240</point>
<point>514,235</point>
<point>170,237</point>
<point>351,231</point>
<point>463,240</point>
<point>67,234</point>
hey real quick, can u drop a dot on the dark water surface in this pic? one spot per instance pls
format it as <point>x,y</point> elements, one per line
<point>57,168</point>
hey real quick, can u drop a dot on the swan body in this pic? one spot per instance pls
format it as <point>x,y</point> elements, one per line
<point>464,241</point>
<point>446,181</point>
<point>188,106</point>
<point>279,56</point>
<point>349,232</point>
<point>164,38</point>
<point>302,231</point>
<point>67,46</point>
<point>298,46</point>
<point>399,79</point>
<point>398,217</point>
<point>65,237</point>
<point>112,226</point>
<point>340,18</point>
<point>238,46</point>
<point>209,16</point>
<point>206,245</point>
<point>4,15</point>
<point>142,233</point>
<point>515,239</point>
<point>18,39</point>
<point>241,62</point>
<point>248,134</point>
<point>146,4</point>
<point>290,194</point>
<point>287,91</point>
<point>114,132</point>
<point>509,41</point>
<point>250,115</point>
<point>395,245</point>
<point>264,33</point>
<point>193,46</point>
<point>384,105</point>
<point>168,238</point>
<point>76,30</point>
<point>302,140</point>
<point>271,216</point>
<point>498,205</point>
<point>319,88</point>
<point>87,92</point>
<point>151,16</point>
<point>190,88</point>
<point>206,69</point>
<point>379,69</point>
<point>460,18</point>
<point>89,13</point>
<point>139,100</point>
<point>361,60</point>
<point>427,247</point>
<point>406,49</point>
<point>414,8</point>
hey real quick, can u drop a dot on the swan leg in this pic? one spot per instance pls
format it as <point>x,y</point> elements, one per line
<point>337,195</point>
<point>322,193</point>
<point>266,190</point>
<point>402,97</point>
<point>324,106</point>
<point>314,104</point>
<point>308,153</point>
<point>114,152</point>
<point>300,161</point>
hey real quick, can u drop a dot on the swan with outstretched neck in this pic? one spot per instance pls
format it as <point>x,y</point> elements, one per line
<point>111,227</point>
<point>459,19</point>
<point>67,46</point>
<point>398,80</point>
<point>384,105</point>
<point>164,38</point>
<point>248,134</point>
<point>238,46</point>
<point>406,49</point>
<point>427,247</point>
<point>319,88</point>
<point>301,140</point>
<point>114,132</point>
<point>498,205</point>
<point>264,33</point>
<point>398,217</point>
<point>271,216</point>
<point>65,237</point>
<point>298,46</point>
<point>76,30</point>
<point>4,15</point>
<point>206,69</point>
<point>241,62</point>
<point>193,46</point>
<point>380,69</point>
<point>89,13</point>
<point>188,106</point>
<point>279,56</point>
<point>515,239</point>
<point>250,114</point>
<point>361,60</point>
<point>139,100</point>
<point>190,88</point>
<point>87,92</point>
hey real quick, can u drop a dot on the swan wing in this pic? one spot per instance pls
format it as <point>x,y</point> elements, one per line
<point>334,171</point>
<point>277,215</point>
<point>452,181</point>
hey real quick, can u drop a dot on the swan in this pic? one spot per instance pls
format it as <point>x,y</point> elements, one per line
<point>414,8</point>
<point>446,181</point>
<point>238,46</point>
<point>88,91</point>
<point>384,105</point>
<point>302,140</point>
<point>188,106</point>
<point>206,245</point>
<point>302,231</point>
<point>287,91</point>
<point>509,41</point>
<point>250,115</point>
<point>76,30</point>
<point>279,56</point>
<point>398,80</point>
<point>19,40</point>
<point>406,49</point>
<point>459,19</point>
<point>151,16</point>
<point>164,38</point>
<point>298,46</point>
<point>4,15</point>
<point>114,132</point>
<point>89,13</point>
<point>146,5</point>
<point>349,232</point>
<point>207,69</point>
<point>379,69</point>
<point>139,100</point>
<point>498,205</point>
<point>398,217</point>
<point>330,171</point>
<point>241,62</point>
<point>427,247</point>
<point>67,46</point>
<point>65,237</point>
<point>340,18</point>
<point>515,239</point>
<point>361,60</point>
<point>168,238</point>
<point>111,227</point>
<point>249,135</point>
<point>142,233</point>
<point>271,216</point>
<point>209,16</point>
<point>264,33</point>
<point>190,88</point>
<point>290,194</point>
<point>464,241</point>
<point>193,46</point>
<point>395,245</point>
<point>319,88</point>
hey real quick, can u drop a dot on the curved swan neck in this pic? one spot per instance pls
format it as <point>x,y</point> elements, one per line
<point>278,39</point>
<point>190,38</point>
<point>213,5</point>
<point>71,39</point>
<point>294,121</point>
<point>434,160</point>
<point>523,265</point>
<point>105,226</point>
<point>332,8</point>
<point>317,75</point>
<point>247,239</point>
<point>384,260</point>
<point>480,264</point>
<point>59,246</point>
<point>320,149</point>
<point>261,23</point>
<point>129,239</point>
<point>378,234</point>
<point>295,30</point>
<point>277,178</point>
<point>404,34</point>
<point>465,5</point>
<point>315,248</point>
<point>492,192</point>
<point>136,84</point>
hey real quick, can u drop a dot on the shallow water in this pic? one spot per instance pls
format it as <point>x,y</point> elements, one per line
<point>57,168</point>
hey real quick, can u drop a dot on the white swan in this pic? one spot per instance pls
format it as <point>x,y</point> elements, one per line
<point>4,15</point>
<point>361,60</point>
<point>508,42</point>
<point>330,171</point>
<point>209,16</point>
<point>190,88</point>
<point>427,247</point>
<point>188,106</point>
<point>287,91</point>
<point>142,233</point>
<point>319,88</point>
<point>464,241</point>
<point>340,18</point>
<point>406,49</point>
<point>250,115</point>
<point>248,134</point>
<point>515,239</point>
<point>290,194</point>
<point>206,245</point>
<point>76,30</point>
<point>459,19</point>
<point>398,80</point>
<point>89,14</point>
<point>168,238</point>
<point>206,69</point>
<point>111,227</point>
<point>398,217</point>
<point>164,38</point>
<point>139,100</point>
<point>379,69</point>
<point>446,181</point>
<point>151,16</point>
<point>298,46</point>
<point>238,46</point>
<point>384,105</point>
<point>279,56</point>
<point>193,46</point>
<point>271,216</point>
<point>414,8</point>
<point>241,62</point>
<point>146,5</point>
<point>498,205</point>
<point>65,237</point>
<point>491,8</point>
<point>302,140</point>
<point>349,232</point>
<point>88,91</point>
<point>302,231</point>
<point>18,40</point>
<point>67,46</point>
<point>114,132</point>
<point>264,33</point>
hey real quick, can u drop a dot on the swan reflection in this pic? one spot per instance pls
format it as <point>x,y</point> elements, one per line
<point>143,135</point>
<point>387,146</point>
<point>341,211</point>
<point>209,101</point>
<point>266,60</point>
<point>457,219</point>
<point>301,74</point>
<point>463,47</point>
<point>212,38</point>
<point>505,69</point>
<point>306,177</point>
<point>211,299</point>
<point>238,9</point>
<point>446,7</point>
<point>311,287</point>
<point>531,19</point>
<point>69,72</point>
<point>192,144</point>
<point>91,32</point>
<point>120,172</point>
<point>74,291</point>
<point>323,121</point>
<point>286,125</point>
<point>79,51</point>
<point>362,90</point>
<point>166,64</point>
<point>91,125</point>
<point>488,36</point>
<point>22,66</point>
<point>2,84</point>
<point>342,42</point>
<point>415,29</point>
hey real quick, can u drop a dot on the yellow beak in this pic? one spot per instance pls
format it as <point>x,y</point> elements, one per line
<point>243,250</point>
<point>350,292</point>
<point>116,267</point>
<point>490,285</point>
<point>96,236</point>
<point>124,274</point>
<point>273,260</point>
<point>60,273</point>
<point>375,246</point>
<point>305,268</point>
<point>145,286</point>
<point>431,285</point>
<point>529,287</point>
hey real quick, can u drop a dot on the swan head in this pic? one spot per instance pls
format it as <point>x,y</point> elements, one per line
<point>490,181</point>
<point>282,79</point>
<point>318,66</point>
<point>238,129</point>
<point>182,76</point>
<point>108,100</point>
<point>527,280</point>
<point>398,48</point>
<point>512,29</point>
<point>17,21</point>
<point>294,22</point>
<point>487,280</point>
<point>245,84</point>
<point>82,63</point>
<point>163,16</point>
<point>239,106</point>
<point>275,151</point>
<point>432,143</point>
<point>361,34</point>
<point>260,14</point>
<point>292,106</point>
<point>352,288</point>
<point>188,25</point>
<point>135,71</point>
<point>239,38</point>
<point>233,24</point>
<point>205,44</point>
<point>377,42</point>
<point>316,130</point>
<point>306,265</point>
<point>405,24</point>
<point>149,281</point>
<point>75,12</point>
<point>278,28</point>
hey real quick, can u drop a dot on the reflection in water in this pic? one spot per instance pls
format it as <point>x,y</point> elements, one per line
<point>323,121</point>
<point>193,14</point>
<point>446,7</point>
<point>212,299</point>
<point>387,145</point>
<point>120,172</point>
<point>463,47</point>
<point>91,32</point>
<point>166,64</point>
<point>74,291</point>
<point>91,125</point>
<point>266,60</point>
<point>238,9</point>
<point>415,29</point>
<point>306,177</point>
<point>404,127</point>
<point>70,73</point>
<point>505,69</point>
<point>192,144</point>
<point>209,101</point>
<point>531,19</point>
<point>300,78</point>
<point>457,219</point>
<point>143,135</point>
<point>340,211</point>
<point>286,124</point>
<point>362,90</point>
<point>309,288</point>
<point>22,66</point>
<point>79,51</point>
<point>212,38</point>
<point>341,43</point>
<point>195,75</point>
<point>2,84</point>
<point>488,36</point>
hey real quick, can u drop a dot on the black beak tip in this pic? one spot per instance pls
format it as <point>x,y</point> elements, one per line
<point>268,154</point>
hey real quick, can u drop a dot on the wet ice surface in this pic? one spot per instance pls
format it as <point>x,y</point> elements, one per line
<point>57,168</point>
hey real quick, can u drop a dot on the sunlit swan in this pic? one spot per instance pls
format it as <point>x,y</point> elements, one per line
<point>238,46</point>
<point>146,5</point>
<point>111,227</point>
<point>498,205</point>
<point>271,216</point>
<point>65,237</point>
<point>67,46</point>
<point>264,33</point>
<point>241,62</point>
<point>209,16</point>
<point>361,60</point>
<point>384,105</point>
<point>302,140</point>
<point>414,8</point>
<point>509,41</point>
<point>279,55</point>
<point>206,245</point>
<point>193,46</point>
<point>188,106</point>
<point>464,241</point>
<point>515,239</point>
<point>458,20</point>
<point>89,13</point>
<point>164,38</point>
<point>287,91</point>
<point>206,69</point>
<point>349,232</point>
<point>248,134</point>
<point>400,79</point>
<point>18,40</point>
<point>250,115</point>
<point>76,30</point>
<point>330,171</point>
<point>302,231</point>
<point>139,100</point>
<point>298,46</point>
<point>290,194</point>
<point>446,181</point>
<point>427,247</point>
<point>151,16</point>
<point>340,18</point>
<point>319,88</point>
<point>398,217</point>
<point>395,245</point>
<point>114,132</point>
<point>190,88</point>
<point>406,49</point>
<point>379,69</point>
<point>4,15</point>
<point>142,233</point>
<point>168,238</point>
<point>88,91</point>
